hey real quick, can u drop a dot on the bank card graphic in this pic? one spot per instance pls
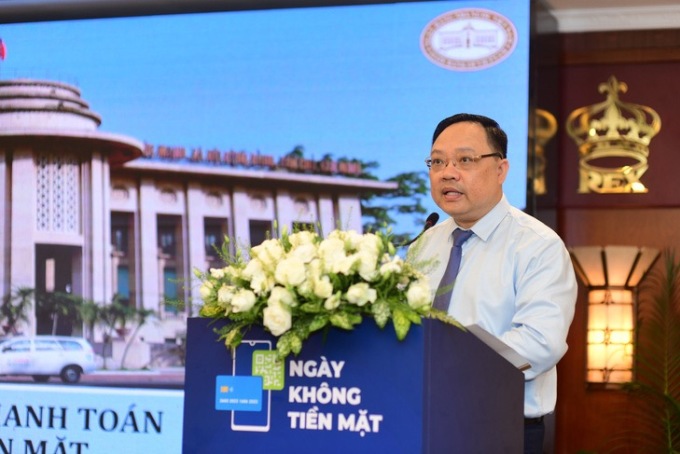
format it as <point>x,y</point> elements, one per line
<point>247,393</point>
<point>238,393</point>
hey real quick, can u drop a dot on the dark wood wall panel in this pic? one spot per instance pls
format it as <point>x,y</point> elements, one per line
<point>649,62</point>
<point>634,46</point>
<point>586,419</point>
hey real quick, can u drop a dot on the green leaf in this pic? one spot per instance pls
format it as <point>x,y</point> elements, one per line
<point>283,347</point>
<point>318,322</point>
<point>355,318</point>
<point>444,317</point>
<point>413,316</point>
<point>381,312</point>
<point>295,343</point>
<point>401,323</point>
<point>290,342</point>
<point>345,320</point>
<point>233,337</point>
<point>311,308</point>
<point>211,311</point>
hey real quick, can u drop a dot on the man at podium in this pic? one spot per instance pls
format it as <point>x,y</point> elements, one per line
<point>494,265</point>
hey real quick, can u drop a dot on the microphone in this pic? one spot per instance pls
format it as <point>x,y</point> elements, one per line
<point>429,222</point>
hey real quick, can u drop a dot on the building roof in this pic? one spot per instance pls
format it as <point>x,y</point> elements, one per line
<point>254,177</point>
<point>33,112</point>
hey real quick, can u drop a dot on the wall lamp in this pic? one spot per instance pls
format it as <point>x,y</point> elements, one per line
<point>612,275</point>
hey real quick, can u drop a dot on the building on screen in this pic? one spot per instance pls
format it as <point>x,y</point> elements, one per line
<point>105,216</point>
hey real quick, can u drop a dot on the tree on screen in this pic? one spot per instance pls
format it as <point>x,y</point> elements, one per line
<point>380,211</point>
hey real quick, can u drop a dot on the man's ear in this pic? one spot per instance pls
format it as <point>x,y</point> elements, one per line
<point>502,169</point>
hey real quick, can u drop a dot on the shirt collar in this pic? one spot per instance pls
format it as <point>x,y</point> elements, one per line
<point>485,226</point>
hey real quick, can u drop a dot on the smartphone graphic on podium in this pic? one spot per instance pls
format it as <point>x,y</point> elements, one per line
<point>242,365</point>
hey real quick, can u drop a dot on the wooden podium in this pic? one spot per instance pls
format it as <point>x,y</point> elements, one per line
<point>441,390</point>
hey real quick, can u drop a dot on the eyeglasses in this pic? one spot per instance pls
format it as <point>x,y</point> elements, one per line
<point>460,162</point>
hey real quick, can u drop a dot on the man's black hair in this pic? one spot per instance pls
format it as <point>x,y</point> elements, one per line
<point>498,139</point>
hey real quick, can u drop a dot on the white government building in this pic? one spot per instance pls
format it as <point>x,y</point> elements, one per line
<point>97,214</point>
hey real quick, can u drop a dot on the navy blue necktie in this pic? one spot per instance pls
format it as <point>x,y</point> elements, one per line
<point>443,296</point>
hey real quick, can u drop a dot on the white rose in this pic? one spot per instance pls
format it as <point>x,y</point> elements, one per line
<point>261,281</point>
<point>371,242</point>
<point>243,300</point>
<point>412,275</point>
<point>280,295</point>
<point>304,252</point>
<point>217,273</point>
<point>353,239</point>
<point>368,262</point>
<point>306,288</point>
<point>419,294</point>
<point>332,302</point>
<point>393,266</point>
<point>225,294</point>
<point>331,251</point>
<point>277,318</point>
<point>270,252</point>
<point>314,269</point>
<point>290,271</point>
<point>206,290</point>
<point>346,265</point>
<point>302,237</point>
<point>361,293</point>
<point>323,287</point>
<point>232,272</point>
<point>336,235</point>
<point>350,238</point>
<point>253,268</point>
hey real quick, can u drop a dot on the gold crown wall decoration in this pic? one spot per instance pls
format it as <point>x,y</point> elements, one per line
<point>613,140</point>
<point>545,127</point>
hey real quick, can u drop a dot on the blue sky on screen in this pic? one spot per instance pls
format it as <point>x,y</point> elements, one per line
<point>346,81</point>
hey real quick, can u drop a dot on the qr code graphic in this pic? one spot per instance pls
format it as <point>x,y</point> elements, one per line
<point>270,367</point>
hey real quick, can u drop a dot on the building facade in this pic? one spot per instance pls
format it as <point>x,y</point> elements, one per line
<point>105,216</point>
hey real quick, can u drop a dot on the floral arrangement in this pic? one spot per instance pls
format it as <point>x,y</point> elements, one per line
<point>301,283</point>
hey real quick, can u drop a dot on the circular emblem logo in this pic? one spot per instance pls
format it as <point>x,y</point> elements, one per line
<point>468,39</point>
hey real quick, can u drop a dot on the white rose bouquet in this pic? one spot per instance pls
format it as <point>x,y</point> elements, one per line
<point>301,283</point>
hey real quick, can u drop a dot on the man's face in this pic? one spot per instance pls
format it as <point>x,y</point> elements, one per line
<point>466,194</point>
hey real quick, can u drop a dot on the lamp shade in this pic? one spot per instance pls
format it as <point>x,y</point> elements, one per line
<point>612,275</point>
<point>612,266</point>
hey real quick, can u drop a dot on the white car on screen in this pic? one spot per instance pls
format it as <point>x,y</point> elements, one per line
<point>44,356</point>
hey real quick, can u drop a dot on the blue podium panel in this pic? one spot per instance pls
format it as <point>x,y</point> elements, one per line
<point>440,390</point>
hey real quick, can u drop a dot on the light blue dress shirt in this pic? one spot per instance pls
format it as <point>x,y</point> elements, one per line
<point>516,281</point>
